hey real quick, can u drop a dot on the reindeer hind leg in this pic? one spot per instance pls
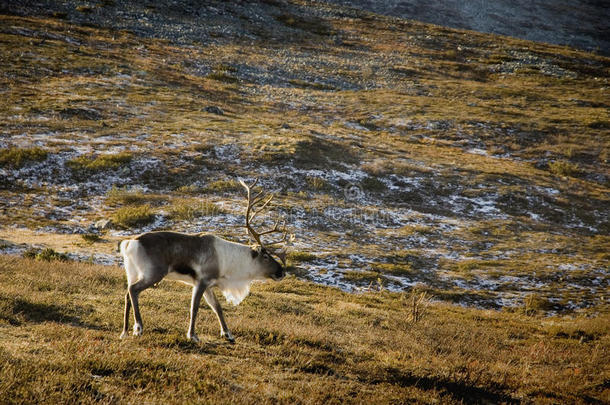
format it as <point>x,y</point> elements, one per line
<point>131,272</point>
<point>151,276</point>
<point>198,290</point>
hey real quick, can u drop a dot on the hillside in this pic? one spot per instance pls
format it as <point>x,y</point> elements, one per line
<point>582,24</point>
<point>405,157</point>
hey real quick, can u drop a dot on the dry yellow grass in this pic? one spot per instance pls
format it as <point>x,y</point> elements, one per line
<point>296,343</point>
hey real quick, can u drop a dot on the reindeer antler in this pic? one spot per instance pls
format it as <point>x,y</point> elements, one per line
<point>252,211</point>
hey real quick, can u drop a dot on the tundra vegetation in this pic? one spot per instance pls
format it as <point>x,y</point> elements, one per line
<point>297,342</point>
<point>452,185</point>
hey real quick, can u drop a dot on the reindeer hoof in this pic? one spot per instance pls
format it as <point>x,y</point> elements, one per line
<point>193,338</point>
<point>228,336</point>
<point>124,335</point>
<point>137,330</point>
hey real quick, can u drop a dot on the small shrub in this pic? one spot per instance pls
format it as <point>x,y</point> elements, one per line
<point>534,303</point>
<point>222,77</point>
<point>396,269</point>
<point>123,196</point>
<point>317,183</point>
<point>99,163</point>
<point>221,67</point>
<point>297,256</point>
<point>18,157</point>
<point>418,303</point>
<point>564,168</point>
<point>31,253</point>
<point>46,255</point>
<point>408,230</point>
<point>190,189</point>
<point>187,209</point>
<point>469,265</point>
<point>374,284</point>
<point>361,276</point>
<point>220,186</point>
<point>133,215</point>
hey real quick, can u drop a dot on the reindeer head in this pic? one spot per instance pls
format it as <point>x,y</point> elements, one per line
<point>263,253</point>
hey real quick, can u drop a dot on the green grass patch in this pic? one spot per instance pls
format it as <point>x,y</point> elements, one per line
<point>133,215</point>
<point>396,269</point>
<point>222,186</point>
<point>564,168</point>
<point>223,77</point>
<point>124,196</point>
<point>469,265</point>
<point>19,157</point>
<point>188,209</point>
<point>99,163</point>
<point>46,255</point>
<point>317,183</point>
<point>535,303</point>
<point>190,189</point>
<point>299,256</point>
<point>223,67</point>
<point>408,230</point>
<point>363,276</point>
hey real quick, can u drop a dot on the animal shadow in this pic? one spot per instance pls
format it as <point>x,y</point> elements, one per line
<point>19,310</point>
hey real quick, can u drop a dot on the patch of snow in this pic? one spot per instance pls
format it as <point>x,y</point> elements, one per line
<point>356,126</point>
<point>477,151</point>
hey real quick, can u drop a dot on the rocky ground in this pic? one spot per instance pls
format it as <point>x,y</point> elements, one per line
<point>581,24</point>
<point>401,154</point>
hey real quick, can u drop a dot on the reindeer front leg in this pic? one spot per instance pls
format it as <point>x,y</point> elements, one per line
<point>210,298</point>
<point>126,316</point>
<point>198,290</point>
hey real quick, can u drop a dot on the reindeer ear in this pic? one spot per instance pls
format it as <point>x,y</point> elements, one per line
<point>254,253</point>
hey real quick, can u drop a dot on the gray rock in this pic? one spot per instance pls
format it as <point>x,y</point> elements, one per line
<point>103,224</point>
<point>212,109</point>
<point>82,113</point>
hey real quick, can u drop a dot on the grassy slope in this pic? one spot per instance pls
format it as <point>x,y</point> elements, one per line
<point>296,343</point>
<point>399,102</point>
<point>395,99</point>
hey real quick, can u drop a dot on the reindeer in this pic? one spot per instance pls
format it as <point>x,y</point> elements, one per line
<point>202,261</point>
